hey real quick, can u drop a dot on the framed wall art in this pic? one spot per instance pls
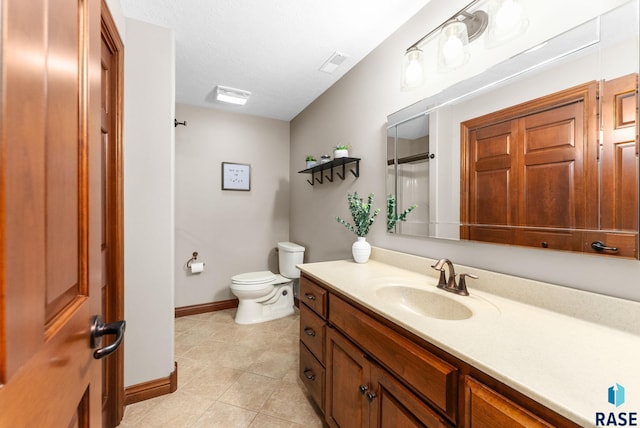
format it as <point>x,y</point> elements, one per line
<point>236,176</point>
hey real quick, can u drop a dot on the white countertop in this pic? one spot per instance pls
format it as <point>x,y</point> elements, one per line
<point>564,351</point>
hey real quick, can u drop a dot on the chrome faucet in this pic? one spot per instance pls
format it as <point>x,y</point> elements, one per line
<point>450,284</point>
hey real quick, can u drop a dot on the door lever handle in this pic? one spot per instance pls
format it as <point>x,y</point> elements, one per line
<point>600,246</point>
<point>99,329</point>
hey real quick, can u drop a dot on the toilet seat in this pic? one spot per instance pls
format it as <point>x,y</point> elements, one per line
<point>256,280</point>
<point>261,277</point>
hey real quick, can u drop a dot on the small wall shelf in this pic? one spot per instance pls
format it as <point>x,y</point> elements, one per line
<point>336,163</point>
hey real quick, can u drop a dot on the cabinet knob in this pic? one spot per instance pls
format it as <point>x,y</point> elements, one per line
<point>309,331</point>
<point>544,244</point>
<point>309,375</point>
<point>309,296</point>
<point>363,389</point>
<point>370,396</point>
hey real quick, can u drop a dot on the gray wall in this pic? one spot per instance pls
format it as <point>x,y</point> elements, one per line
<point>232,231</point>
<point>354,111</point>
<point>148,202</point>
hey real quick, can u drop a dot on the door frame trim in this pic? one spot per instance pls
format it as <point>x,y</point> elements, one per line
<point>115,202</point>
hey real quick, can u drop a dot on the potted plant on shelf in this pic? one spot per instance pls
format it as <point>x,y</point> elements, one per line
<point>311,161</point>
<point>392,213</point>
<point>341,151</point>
<point>362,221</point>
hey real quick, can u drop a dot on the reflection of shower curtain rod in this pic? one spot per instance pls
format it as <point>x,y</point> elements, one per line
<point>413,158</point>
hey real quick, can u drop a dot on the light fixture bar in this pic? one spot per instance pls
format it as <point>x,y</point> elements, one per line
<point>476,23</point>
<point>461,12</point>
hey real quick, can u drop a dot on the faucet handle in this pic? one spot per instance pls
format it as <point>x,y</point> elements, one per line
<point>442,283</point>
<point>462,285</point>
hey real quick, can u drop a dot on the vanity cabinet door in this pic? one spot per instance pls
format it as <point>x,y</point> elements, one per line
<point>360,393</point>
<point>347,383</point>
<point>395,406</point>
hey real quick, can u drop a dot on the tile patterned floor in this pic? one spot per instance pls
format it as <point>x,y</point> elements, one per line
<point>232,376</point>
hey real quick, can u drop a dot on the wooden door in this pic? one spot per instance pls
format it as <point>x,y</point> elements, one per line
<point>553,172</point>
<point>493,187</point>
<point>529,172</point>
<point>347,383</point>
<point>554,184</point>
<point>50,264</point>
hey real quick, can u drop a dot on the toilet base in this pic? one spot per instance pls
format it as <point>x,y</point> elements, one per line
<point>278,304</point>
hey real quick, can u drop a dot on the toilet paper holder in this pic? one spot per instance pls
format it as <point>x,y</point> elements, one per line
<point>194,258</point>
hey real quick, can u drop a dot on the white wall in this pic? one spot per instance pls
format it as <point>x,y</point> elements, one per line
<point>354,111</point>
<point>149,104</point>
<point>232,231</point>
<point>115,8</point>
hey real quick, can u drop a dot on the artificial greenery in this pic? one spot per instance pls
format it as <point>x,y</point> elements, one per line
<point>392,215</point>
<point>310,158</point>
<point>342,147</point>
<point>361,213</point>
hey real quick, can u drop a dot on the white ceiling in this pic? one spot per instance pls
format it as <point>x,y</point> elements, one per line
<point>273,49</point>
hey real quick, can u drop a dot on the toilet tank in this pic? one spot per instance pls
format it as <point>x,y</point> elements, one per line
<point>289,255</point>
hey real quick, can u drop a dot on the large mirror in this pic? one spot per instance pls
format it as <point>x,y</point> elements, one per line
<point>470,162</point>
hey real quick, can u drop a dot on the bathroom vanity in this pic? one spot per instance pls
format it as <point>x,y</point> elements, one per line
<point>380,345</point>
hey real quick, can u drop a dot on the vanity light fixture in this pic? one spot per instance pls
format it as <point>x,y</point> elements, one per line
<point>509,21</point>
<point>231,95</point>
<point>505,19</point>
<point>413,68</point>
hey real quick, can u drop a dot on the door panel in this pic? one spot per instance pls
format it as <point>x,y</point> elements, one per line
<point>62,161</point>
<point>49,174</point>
<point>552,174</point>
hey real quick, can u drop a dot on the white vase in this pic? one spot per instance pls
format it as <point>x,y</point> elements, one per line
<point>361,250</point>
<point>311,164</point>
<point>340,154</point>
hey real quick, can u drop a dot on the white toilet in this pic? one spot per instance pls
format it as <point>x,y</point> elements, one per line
<point>265,296</point>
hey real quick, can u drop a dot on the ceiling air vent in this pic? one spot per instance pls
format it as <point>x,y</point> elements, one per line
<point>333,62</point>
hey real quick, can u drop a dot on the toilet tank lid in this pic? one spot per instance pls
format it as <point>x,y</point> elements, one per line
<point>290,247</point>
<point>254,277</point>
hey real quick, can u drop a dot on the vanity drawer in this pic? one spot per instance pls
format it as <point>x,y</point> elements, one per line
<point>313,296</point>
<point>312,331</point>
<point>312,375</point>
<point>433,378</point>
<point>484,407</point>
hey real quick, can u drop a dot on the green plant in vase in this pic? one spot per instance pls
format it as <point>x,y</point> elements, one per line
<point>341,151</point>
<point>392,215</point>
<point>310,161</point>
<point>363,218</point>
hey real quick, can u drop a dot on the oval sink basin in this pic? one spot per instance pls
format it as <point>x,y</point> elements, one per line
<point>424,302</point>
